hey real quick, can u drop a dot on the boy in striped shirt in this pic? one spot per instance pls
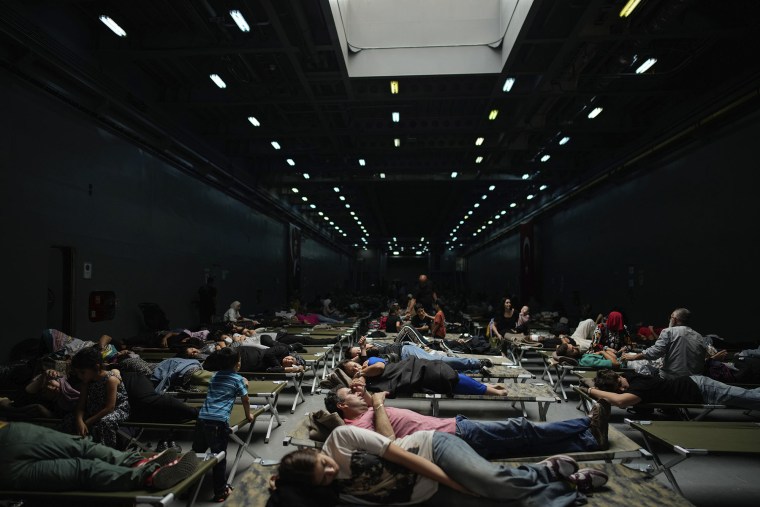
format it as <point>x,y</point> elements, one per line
<point>213,427</point>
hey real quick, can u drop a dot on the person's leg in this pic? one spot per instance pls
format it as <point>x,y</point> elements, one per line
<point>531,484</point>
<point>458,363</point>
<point>718,392</point>
<point>517,436</point>
<point>468,385</point>
<point>217,435</point>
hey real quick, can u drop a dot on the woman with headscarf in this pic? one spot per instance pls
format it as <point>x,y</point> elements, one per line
<point>612,333</point>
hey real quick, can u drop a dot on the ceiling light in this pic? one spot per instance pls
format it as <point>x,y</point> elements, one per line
<point>493,114</point>
<point>362,162</point>
<point>646,65</point>
<point>545,158</point>
<point>382,176</point>
<point>479,160</point>
<point>476,205</point>
<point>394,238</point>
<point>113,25</point>
<point>628,8</point>
<point>461,222</point>
<point>508,84</point>
<point>595,112</point>
<point>484,197</point>
<point>336,189</point>
<point>320,213</point>
<point>468,215</point>
<point>418,252</point>
<point>218,81</point>
<point>348,206</point>
<point>454,174</point>
<point>304,198</point>
<point>503,212</point>
<point>341,198</point>
<point>469,212</point>
<point>397,142</point>
<point>275,145</point>
<point>479,141</point>
<point>394,87</point>
<point>543,187</point>
<point>490,222</point>
<point>352,213</point>
<point>294,190</point>
<point>513,205</point>
<point>492,188</point>
<point>564,141</point>
<point>306,176</point>
<point>254,121</point>
<point>327,219</point>
<point>290,162</point>
<point>332,223</point>
<point>525,176</point>
<point>530,196</point>
<point>395,252</point>
<point>313,206</point>
<point>240,21</point>
<point>396,117</point>
<point>497,216</point>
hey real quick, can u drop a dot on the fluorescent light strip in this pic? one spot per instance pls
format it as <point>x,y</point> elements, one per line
<point>113,25</point>
<point>508,84</point>
<point>396,117</point>
<point>290,162</point>
<point>564,141</point>
<point>545,158</point>
<point>362,162</point>
<point>397,142</point>
<point>382,176</point>
<point>254,121</point>
<point>218,81</point>
<point>646,65</point>
<point>275,145</point>
<point>240,21</point>
<point>493,114</point>
<point>595,112</point>
<point>628,8</point>
<point>454,174</point>
<point>479,160</point>
<point>394,87</point>
<point>479,141</point>
<point>306,176</point>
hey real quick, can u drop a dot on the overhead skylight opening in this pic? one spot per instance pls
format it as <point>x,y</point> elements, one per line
<point>508,84</point>
<point>113,25</point>
<point>254,121</point>
<point>396,117</point>
<point>336,189</point>
<point>492,188</point>
<point>382,176</point>
<point>306,176</point>
<point>394,87</point>
<point>545,158</point>
<point>218,81</point>
<point>479,160</point>
<point>646,65</point>
<point>564,141</point>
<point>397,142</point>
<point>294,190</point>
<point>240,21</point>
<point>628,8</point>
<point>595,112</point>
<point>479,141</point>
<point>493,114</point>
<point>290,162</point>
<point>362,162</point>
<point>275,145</point>
<point>454,174</point>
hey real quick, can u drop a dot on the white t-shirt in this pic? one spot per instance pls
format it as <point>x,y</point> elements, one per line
<point>367,479</point>
<point>231,315</point>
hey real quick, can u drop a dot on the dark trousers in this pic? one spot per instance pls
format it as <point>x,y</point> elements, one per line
<point>213,435</point>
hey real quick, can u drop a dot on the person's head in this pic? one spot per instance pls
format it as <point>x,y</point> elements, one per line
<point>347,403</point>
<point>188,352</point>
<point>608,380</point>
<point>568,350</point>
<point>350,367</point>
<point>423,279</point>
<point>615,321</point>
<point>420,310</point>
<point>289,361</point>
<point>235,305</point>
<point>393,310</point>
<point>352,352</point>
<point>525,310</point>
<point>228,359</point>
<point>87,364</point>
<point>679,317</point>
<point>507,303</point>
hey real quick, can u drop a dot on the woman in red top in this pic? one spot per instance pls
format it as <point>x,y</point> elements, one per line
<point>439,321</point>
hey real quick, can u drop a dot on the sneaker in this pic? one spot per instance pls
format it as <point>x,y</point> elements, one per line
<point>486,363</point>
<point>162,458</point>
<point>172,473</point>
<point>561,466</point>
<point>588,479</point>
<point>600,418</point>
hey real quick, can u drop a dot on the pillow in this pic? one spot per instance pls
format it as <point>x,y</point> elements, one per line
<point>321,423</point>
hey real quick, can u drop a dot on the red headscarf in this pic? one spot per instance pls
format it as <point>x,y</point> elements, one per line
<point>615,321</point>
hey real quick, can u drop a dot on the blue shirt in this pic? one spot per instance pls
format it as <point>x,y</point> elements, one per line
<point>224,388</point>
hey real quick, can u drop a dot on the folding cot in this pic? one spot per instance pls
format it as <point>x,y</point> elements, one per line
<point>625,487</point>
<point>268,389</point>
<point>295,378</point>
<point>683,409</point>
<point>518,346</point>
<point>621,447</point>
<point>503,372</point>
<point>562,366</point>
<point>135,497</point>
<point>696,439</point>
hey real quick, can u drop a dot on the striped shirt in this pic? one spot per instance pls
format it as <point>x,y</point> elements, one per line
<point>225,386</point>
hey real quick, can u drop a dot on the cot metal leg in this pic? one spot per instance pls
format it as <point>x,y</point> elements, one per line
<point>298,383</point>
<point>547,374</point>
<point>275,416</point>
<point>661,467</point>
<point>243,447</point>
<point>434,407</point>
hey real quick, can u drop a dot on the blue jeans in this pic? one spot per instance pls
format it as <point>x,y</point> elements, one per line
<point>458,363</point>
<point>213,435</point>
<point>521,437</point>
<point>530,485</point>
<point>724,394</point>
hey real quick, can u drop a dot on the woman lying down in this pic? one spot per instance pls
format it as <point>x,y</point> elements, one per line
<point>358,466</point>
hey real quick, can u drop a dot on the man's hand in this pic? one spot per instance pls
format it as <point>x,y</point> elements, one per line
<point>378,399</point>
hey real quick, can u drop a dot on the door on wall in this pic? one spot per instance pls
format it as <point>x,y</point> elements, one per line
<point>60,289</point>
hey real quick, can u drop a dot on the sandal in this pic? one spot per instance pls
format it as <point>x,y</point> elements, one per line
<point>221,498</point>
